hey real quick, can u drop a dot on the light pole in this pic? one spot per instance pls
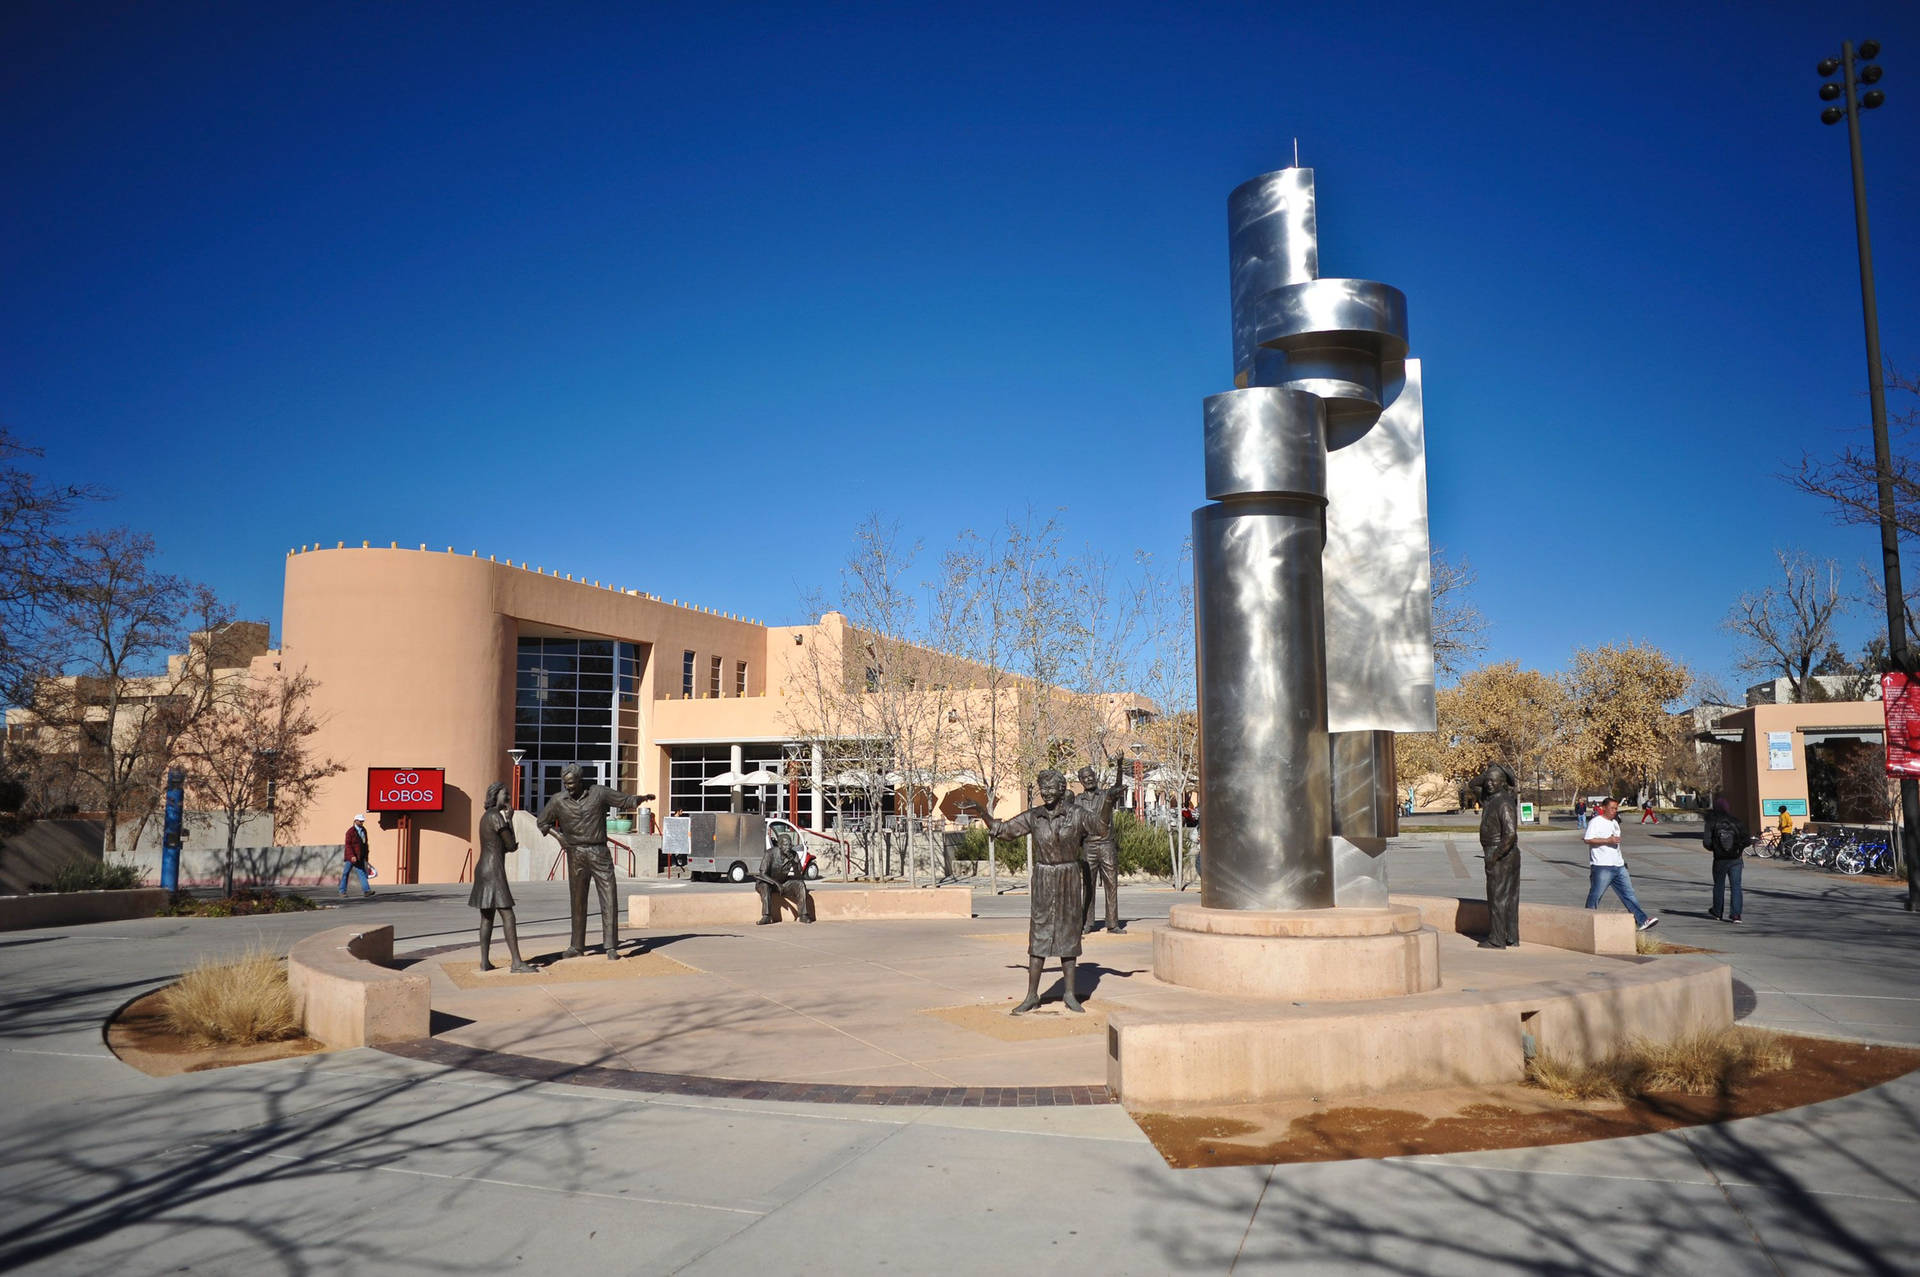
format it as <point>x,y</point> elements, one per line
<point>1853,76</point>
<point>516,755</point>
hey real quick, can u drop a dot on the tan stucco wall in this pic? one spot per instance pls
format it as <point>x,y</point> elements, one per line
<point>413,652</point>
<point>1747,780</point>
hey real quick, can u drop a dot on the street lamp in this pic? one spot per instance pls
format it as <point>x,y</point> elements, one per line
<point>1853,75</point>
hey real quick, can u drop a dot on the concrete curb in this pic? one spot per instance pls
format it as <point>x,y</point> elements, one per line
<point>70,908</point>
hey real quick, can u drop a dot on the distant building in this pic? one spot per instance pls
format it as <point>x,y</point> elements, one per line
<point>1822,761</point>
<point>1832,687</point>
<point>427,659</point>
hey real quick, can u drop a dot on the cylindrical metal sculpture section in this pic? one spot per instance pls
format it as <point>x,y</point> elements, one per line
<point>1265,442</point>
<point>1272,240</point>
<point>1265,792</point>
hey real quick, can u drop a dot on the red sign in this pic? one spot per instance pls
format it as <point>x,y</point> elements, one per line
<point>1900,695</point>
<point>406,788</point>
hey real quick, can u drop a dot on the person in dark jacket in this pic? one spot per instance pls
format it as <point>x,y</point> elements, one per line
<point>1726,838</point>
<point>354,846</point>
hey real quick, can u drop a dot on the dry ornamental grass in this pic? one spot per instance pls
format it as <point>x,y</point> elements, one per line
<point>1703,1064</point>
<point>240,1001</point>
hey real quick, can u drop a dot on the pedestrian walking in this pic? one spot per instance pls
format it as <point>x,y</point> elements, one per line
<point>1646,812</point>
<point>1726,838</point>
<point>1606,867</point>
<point>354,846</point>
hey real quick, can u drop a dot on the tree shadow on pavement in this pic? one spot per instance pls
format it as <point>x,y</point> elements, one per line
<point>266,1166</point>
<point>1791,1192</point>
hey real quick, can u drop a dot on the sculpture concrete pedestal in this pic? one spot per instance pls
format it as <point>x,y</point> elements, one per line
<point>1322,955</point>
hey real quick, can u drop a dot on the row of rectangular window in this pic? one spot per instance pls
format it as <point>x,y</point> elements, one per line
<point>716,667</point>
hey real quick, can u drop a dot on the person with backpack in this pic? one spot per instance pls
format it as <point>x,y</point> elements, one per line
<point>1726,838</point>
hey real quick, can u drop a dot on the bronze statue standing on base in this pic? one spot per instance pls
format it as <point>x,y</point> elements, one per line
<point>1103,858</point>
<point>1056,890</point>
<point>490,894</point>
<point>1500,841</point>
<point>579,813</point>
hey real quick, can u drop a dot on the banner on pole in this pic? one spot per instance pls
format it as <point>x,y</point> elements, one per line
<point>1900,695</point>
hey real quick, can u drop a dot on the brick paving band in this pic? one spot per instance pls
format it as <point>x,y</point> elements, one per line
<point>529,1068</point>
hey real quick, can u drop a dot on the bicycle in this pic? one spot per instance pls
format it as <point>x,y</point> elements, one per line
<point>1855,855</point>
<point>1765,844</point>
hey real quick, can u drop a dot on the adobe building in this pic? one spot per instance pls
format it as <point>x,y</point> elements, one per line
<point>1819,761</point>
<point>440,660</point>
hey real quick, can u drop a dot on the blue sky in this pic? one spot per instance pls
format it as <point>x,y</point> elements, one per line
<point>280,274</point>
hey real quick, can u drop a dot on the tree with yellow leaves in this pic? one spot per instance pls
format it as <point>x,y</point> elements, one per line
<point>1619,695</point>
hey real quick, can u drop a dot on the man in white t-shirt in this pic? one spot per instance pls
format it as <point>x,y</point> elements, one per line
<point>1607,867</point>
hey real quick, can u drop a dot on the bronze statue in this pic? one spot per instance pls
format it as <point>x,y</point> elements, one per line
<point>490,894</point>
<point>1103,858</point>
<point>1500,841</point>
<point>1056,893</point>
<point>782,878</point>
<point>579,813</point>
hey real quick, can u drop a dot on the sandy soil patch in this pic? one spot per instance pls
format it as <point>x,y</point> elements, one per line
<point>1049,1020</point>
<point>139,1035</point>
<point>1515,1116</point>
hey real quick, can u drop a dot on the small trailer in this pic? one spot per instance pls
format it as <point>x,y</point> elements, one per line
<point>732,845</point>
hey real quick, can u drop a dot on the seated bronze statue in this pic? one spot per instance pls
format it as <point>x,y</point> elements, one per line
<point>783,879</point>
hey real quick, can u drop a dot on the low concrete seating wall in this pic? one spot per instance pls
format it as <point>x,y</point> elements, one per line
<point>71,908</point>
<point>1559,926</point>
<point>349,995</point>
<point>732,908</point>
<point>1436,1040</point>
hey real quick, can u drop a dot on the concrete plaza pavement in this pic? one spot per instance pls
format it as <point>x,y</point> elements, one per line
<point>364,1162</point>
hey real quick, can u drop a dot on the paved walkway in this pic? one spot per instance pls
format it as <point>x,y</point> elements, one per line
<point>363,1162</point>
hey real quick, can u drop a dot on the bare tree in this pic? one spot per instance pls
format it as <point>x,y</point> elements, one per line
<point>251,751</point>
<point>876,706</point>
<point>1785,628</point>
<point>1101,645</point>
<point>1459,630</point>
<point>1848,481</point>
<point>1169,676</point>
<point>35,553</point>
<point>112,721</point>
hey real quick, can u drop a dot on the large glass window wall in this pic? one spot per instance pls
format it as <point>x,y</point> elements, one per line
<point>689,767</point>
<point>576,700</point>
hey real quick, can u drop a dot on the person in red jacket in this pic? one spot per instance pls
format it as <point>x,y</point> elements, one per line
<point>355,847</point>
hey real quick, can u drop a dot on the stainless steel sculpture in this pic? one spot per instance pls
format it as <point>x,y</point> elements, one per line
<point>1311,571</point>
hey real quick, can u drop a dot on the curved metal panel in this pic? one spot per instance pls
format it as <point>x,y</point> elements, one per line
<point>1272,240</point>
<point>1264,768</point>
<point>1334,312</point>
<point>1265,440</point>
<point>1378,598</point>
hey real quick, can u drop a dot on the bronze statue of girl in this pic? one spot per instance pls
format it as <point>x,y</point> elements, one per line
<point>490,894</point>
